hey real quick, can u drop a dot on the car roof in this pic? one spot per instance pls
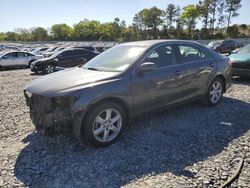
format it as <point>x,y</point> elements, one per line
<point>148,43</point>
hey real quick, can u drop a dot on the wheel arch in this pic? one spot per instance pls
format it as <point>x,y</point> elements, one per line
<point>78,127</point>
<point>117,100</point>
<point>223,79</point>
<point>32,60</point>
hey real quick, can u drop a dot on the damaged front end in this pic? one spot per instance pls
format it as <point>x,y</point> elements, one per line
<point>50,114</point>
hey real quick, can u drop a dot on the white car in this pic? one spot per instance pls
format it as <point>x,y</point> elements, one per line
<point>17,59</point>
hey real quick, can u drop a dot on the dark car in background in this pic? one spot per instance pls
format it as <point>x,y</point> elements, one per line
<point>64,58</point>
<point>90,48</point>
<point>97,100</point>
<point>241,62</point>
<point>223,46</point>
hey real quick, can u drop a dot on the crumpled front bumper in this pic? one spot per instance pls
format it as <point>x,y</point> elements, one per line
<point>45,117</point>
<point>35,68</point>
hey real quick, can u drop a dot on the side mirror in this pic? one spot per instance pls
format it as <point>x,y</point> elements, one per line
<point>56,60</point>
<point>4,57</point>
<point>147,67</point>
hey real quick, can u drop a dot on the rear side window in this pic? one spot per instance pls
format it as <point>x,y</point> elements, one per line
<point>80,52</point>
<point>21,54</point>
<point>189,54</point>
<point>162,56</point>
<point>28,54</point>
<point>67,53</point>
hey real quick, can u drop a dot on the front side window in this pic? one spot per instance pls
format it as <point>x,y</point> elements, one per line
<point>190,54</point>
<point>162,56</point>
<point>10,55</point>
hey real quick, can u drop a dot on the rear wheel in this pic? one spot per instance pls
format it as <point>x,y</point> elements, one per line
<point>104,124</point>
<point>49,69</point>
<point>214,93</point>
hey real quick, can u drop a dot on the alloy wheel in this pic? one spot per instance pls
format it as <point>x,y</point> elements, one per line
<point>107,125</point>
<point>215,92</point>
<point>49,69</point>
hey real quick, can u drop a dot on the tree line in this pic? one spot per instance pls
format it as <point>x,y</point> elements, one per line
<point>151,23</point>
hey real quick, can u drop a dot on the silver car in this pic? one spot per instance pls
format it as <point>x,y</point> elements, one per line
<point>17,59</point>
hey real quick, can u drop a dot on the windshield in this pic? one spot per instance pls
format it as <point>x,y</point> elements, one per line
<point>54,55</point>
<point>245,49</point>
<point>116,59</point>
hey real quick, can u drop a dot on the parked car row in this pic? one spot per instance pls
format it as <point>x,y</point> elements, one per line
<point>223,46</point>
<point>69,57</point>
<point>240,61</point>
<point>48,59</point>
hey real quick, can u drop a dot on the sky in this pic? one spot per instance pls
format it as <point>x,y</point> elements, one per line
<point>45,13</point>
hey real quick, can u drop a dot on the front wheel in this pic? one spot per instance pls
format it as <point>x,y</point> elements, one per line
<point>104,124</point>
<point>214,93</point>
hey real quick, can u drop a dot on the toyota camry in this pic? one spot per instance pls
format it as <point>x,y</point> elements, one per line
<point>97,100</point>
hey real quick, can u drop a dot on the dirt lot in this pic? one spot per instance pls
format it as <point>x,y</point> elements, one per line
<point>188,146</point>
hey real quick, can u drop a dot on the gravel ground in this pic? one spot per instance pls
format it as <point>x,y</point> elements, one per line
<point>188,146</point>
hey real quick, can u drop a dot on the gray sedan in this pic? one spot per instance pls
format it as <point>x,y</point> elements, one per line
<point>97,100</point>
<point>17,59</point>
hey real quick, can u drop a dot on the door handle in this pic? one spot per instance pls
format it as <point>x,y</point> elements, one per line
<point>177,73</point>
<point>211,65</point>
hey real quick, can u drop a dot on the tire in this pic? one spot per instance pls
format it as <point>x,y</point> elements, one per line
<point>98,128</point>
<point>49,69</point>
<point>214,93</point>
<point>30,63</point>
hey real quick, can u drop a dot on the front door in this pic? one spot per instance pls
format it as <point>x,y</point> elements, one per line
<point>156,88</point>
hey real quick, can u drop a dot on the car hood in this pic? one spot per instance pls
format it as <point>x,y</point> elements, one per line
<point>240,57</point>
<point>59,82</point>
<point>41,61</point>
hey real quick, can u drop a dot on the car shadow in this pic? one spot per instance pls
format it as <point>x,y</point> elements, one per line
<point>12,69</point>
<point>241,80</point>
<point>166,141</point>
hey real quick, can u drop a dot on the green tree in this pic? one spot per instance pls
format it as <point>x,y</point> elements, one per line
<point>189,18</point>
<point>87,30</point>
<point>214,8</point>
<point>139,23</point>
<point>172,14</point>
<point>232,7</point>
<point>153,19</point>
<point>106,32</point>
<point>23,34</point>
<point>130,33</point>
<point>233,31</point>
<point>61,32</point>
<point>39,34</point>
<point>221,15</point>
<point>2,36</point>
<point>12,36</point>
<point>117,29</point>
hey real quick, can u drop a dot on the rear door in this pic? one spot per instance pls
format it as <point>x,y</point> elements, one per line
<point>66,59</point>
<point>80,56</point>
<point>195,70</point>
<point>22,59</point>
